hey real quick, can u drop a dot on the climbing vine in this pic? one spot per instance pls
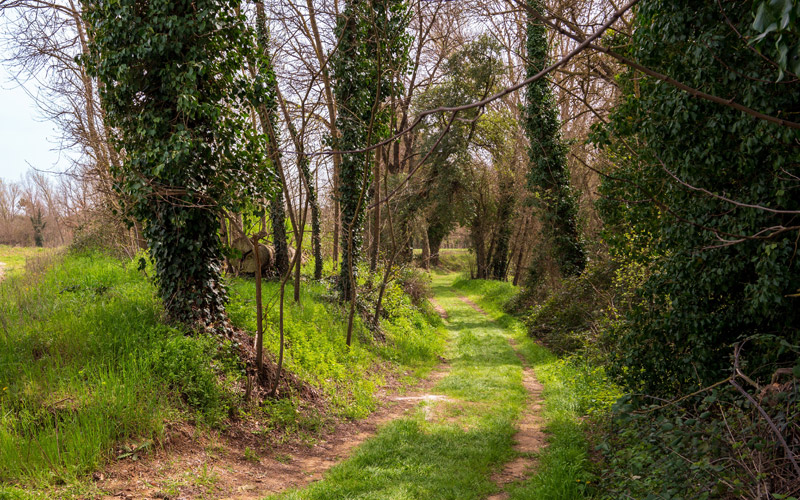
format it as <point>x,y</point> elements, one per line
<point>372,51</point>
<point>548,177</point>
<point>177,103</point>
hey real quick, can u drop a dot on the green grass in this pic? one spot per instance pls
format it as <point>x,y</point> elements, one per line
<point>452,454</point>
<point>87,365</point>
<point>315,334</point>
<point>15,258</point>
<point>572,390</point>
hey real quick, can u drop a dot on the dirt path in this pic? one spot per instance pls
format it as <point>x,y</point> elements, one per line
<point>195,464</point>
<point>530,437</point>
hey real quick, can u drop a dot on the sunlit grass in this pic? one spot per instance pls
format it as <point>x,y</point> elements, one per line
<point>13,259</point>
<point>443,458</point>
<point>572,389</point>
<point>88,365</point>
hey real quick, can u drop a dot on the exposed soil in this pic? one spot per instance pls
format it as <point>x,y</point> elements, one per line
<point>2,270</point>
<point>438,308</point>
<point>530,438</point>
<point>191,463</point>
<point>472,304</point>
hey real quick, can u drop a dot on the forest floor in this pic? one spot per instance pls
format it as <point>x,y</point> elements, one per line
<point>469,430</point>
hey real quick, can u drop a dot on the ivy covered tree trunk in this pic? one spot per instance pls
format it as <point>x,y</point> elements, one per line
<point>179,110</point>
<point>38,224</point>
<point>498,267</point>
<point>371,45</point>
<point>268,115</point>
<point>436,233</point>
<point>548,178</point>
<point>477,232</point>
<point>277,219</point>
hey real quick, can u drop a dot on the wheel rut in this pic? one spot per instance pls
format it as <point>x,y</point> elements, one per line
<point>530,437</point>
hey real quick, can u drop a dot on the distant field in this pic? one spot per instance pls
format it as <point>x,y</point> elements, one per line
<point>13,258</point>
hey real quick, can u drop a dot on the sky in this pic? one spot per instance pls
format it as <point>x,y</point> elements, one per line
<point>25,137</point>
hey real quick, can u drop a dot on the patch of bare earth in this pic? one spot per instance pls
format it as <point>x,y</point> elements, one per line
<point>530,437</point>
<point>471,304</point>
<point>242,464</point>
<point>2,270</point>
<point>438,308</point>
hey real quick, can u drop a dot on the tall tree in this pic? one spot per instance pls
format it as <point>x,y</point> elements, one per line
<point>268,115</point>
<point>372,46</point>
<point>174,94</point>
<point>549,175</point>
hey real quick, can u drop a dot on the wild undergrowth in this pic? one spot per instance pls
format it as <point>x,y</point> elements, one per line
<point>89,368</point>
<point>314,332</point>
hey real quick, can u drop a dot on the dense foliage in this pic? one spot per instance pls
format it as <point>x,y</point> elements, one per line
<point>177,101</point>
<point>549,176</point>
<point>449,192</point>
<point>723,271</point>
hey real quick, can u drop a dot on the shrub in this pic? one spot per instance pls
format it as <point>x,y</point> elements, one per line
<point>569,318</point>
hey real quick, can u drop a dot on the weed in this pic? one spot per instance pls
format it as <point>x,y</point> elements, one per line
<point>251,456</point>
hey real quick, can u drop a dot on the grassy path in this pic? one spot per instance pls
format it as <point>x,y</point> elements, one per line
<point>450,447</point>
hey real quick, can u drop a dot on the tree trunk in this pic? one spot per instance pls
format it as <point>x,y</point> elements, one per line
<point>479,245</point>
<point>376,220</point>
<point>500,255</point>
<point>435,239</point>
<point>426,250</point>
<point>521,251</point>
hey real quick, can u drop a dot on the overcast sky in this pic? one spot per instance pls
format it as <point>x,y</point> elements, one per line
<point>24,136</point>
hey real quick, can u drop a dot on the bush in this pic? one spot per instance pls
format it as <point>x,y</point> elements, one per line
<point>415,283</point>
<point>570,318</point>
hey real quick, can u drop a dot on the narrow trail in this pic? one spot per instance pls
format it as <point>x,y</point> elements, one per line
<point>189,454</point>
<point>464,433</point>
<point>530,438</point>
<point>470,442</point>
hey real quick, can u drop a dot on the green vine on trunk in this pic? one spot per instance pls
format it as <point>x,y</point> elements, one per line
<point>176,104</point>
<point>548,178</point>
<point>372,46</point>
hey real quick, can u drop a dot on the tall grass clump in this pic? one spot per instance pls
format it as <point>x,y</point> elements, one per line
<point>409,337</point>
<point>84,361</point>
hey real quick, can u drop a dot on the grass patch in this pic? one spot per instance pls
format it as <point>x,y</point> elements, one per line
<point>315,333</point>
<point>573,389</point>
<point>15,258</point>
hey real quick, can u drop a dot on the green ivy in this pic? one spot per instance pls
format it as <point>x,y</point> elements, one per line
<point>548,178</point>
<point>177,105</point>
<point>717,273</point>
<point>372,46</point>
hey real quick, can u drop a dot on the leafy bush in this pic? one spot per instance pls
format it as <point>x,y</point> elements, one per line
<point>415,283</point>
<point>569,318</point>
